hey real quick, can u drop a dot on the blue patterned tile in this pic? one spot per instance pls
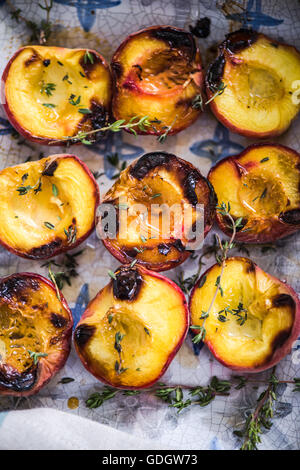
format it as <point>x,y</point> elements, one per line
<point>253,17</point>
<point>86,9</point>
<point>81,303</point>
<point>218,147</point>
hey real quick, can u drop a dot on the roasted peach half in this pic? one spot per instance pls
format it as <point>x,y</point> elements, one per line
<point>159,196</point>
<point>157,73</point>
<point>35,333</point>
<point>132,329</point>
<point>262,185</point>
<point>47,206</point>
<point>250,84</point>
<point>254,320</point>
<point>51,93</point>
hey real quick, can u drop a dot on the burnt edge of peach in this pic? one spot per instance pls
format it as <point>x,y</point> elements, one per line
<point>18,285</point>
<point>174,37</point>
<point>126,257</point>
<point>234,42</point>
<point>189,175</point>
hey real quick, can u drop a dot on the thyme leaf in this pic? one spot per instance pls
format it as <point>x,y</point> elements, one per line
<point>47,88</point>
<point>52,278</point>
<point>36,356</point>
<point>49,105</point>
<point>49,225</point>
<point>88,57</point>
<point>112,274</point>
<point>71,233</point>
<point>219,91</point>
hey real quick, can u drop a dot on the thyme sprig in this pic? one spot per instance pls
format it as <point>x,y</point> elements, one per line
<point>68,270</point>
<point>53,279</point>
<point>181,397</point>
<point>37,187</point>
<point>162,138</point>
<point>39,32</point>
<point>47,88</point>
<point>225,247</point>
<point>97,399</point>
<point>88,57</point>
<point>198,102</point>
<point>186,284</point>
<point>115,161</point>
<point>173,395</point>
<point>238,312</point>
<point>71,233</point>
<point>219,91</point>
<point>261,417</point>
<point>136,122</point>
<point>36,356</point>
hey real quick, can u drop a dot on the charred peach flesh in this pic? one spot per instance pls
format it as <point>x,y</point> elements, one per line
<point>151,188</point>
<point>253,325</point>
<point>48,206</point>
<point>53,92</point>
<point>35,333</point>
<point>258,74</point>
<point>262,186</point>
<point>157,73</point>
<point>132,329</point>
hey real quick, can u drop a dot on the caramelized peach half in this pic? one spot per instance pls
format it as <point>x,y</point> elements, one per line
<point>52,93</point>
<point>254,320</point>
<point>47,206</point>
<point>132,329</point>
<point>258,74</point>
<point>35,333</point>
<point>262,186</point>
<point>157,73</point>
<point>159,195</point>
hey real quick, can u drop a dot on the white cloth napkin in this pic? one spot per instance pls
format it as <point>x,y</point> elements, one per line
<point>49,429</point>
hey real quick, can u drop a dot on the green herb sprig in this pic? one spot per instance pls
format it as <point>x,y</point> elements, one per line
<point>71,234</point>
<point>134,124</point>
<point>162,138</point>
<point>88,57</point>
<point>53,279</point>
<point>118,364</point>
<point>181,397</point>
<point>223,209</point>
<point>198,102</point>
<point>261,417</point>
<point>48,88</point>
<point>36,356</point>
<point>39,32</point>
<point>97,399</point>
<point>37,187</point>
<point>115,161</point>
<point>68,270</point>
